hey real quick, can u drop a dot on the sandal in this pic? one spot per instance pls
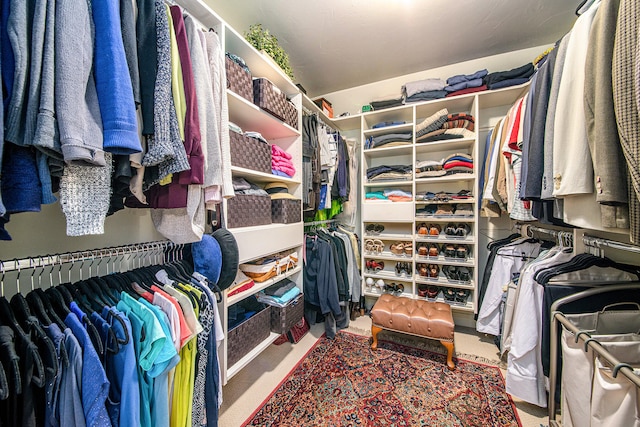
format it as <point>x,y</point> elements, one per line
<point>422,270</point>
<point>374,265</point>
<point>397,248</point>
<point>434,229</point>
<point>408,248</point>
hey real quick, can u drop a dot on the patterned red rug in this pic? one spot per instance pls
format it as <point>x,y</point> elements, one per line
<point>342,382</point>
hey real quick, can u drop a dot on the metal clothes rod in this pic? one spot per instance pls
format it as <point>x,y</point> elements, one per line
<point>558,316</point>
<point>39,261</point>
<point>599,242</point>
<point>555,233</point>
<point>323,222</point>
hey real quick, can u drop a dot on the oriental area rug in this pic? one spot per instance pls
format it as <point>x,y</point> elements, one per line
<point>342,382</point>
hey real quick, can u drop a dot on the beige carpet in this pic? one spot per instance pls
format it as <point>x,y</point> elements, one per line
<point>244,393</point>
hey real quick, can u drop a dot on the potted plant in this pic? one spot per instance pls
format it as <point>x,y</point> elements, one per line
<point>264,41</point>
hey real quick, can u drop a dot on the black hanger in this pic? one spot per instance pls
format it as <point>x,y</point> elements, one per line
<point>37,308</point>
<point>582,3</point>
<point>581,262</point>
<point>99,286</point>
<point>38,298</point>
<point>8,318</point>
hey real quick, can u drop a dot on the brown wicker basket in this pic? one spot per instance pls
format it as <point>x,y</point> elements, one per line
<point>238,80</point>
<point>286,211</point>
<point>250,153</point>
<point>269,97</point>
<point>247,335</point>
<point>290,114</point>
<point>283,318</point>
<point>247,210</point>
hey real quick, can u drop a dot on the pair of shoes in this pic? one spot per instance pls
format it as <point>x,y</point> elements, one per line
<point>373,246</point>
<point>456,273</point>
<point>374,228</point>
<point>403,267</point>
<point>395,289</point>
<point>428,230</point>
<point>456,295</point>
<point>428,291</point>
<point>430,250</point>
<point>460,230</point>
<point>402,248</point>
<point>455,251</point>
<point>427,270</point>
<point>373,265</point>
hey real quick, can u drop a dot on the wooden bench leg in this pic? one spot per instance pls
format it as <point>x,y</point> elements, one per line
<point>449,346</point>
<point>374,332</point>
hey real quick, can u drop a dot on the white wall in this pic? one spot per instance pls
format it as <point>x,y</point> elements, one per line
<point>351,100</point>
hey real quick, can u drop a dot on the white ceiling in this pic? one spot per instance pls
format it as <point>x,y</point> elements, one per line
<point>338,44</point>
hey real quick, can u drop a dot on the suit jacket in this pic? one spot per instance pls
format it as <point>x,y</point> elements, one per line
<point>624,101</point>
<point>609,164</point>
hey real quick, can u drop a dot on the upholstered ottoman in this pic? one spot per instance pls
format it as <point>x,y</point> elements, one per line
<point>417,317</point>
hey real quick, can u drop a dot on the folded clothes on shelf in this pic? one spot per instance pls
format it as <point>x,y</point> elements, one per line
<point>389,139</point>
<point>424,85</point>
<point>388,123</point>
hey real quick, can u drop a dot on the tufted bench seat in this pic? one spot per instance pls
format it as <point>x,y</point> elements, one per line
<point>421,318</point>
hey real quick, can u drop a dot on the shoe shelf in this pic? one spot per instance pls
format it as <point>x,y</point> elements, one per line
<point>377,293</point>
<point>385,236</point>
<point>445,218</point>
<point>443,238</point>
<point>388,256</point>
<point>441,260</point>
<point>443,281</point>
<point>454,305</point>
<point>387,275</point>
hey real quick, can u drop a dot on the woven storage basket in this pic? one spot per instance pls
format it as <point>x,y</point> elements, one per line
<point>290,114</point>
<point>238,80</point>
<point>286,211</point>
<point>269,97</point>
<point>248,334</point>
<point>250,153</point>
<point>246,210</point>
<point>283,318</point>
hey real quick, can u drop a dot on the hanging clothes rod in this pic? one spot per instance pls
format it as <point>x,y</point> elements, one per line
<point>599,242</point>
<point>86,255</point>
<point>323,222</point>
<point>526,228</point>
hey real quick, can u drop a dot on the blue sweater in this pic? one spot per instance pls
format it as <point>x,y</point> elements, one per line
<point>113,82</point>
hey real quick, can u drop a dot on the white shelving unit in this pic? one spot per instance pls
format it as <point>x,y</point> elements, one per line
<point>401,220</point>
<point>258,241</point>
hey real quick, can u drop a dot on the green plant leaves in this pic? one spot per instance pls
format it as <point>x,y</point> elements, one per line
<point>263,40</point>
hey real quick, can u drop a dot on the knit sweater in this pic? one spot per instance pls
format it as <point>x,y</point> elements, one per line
<point>19,27</point>
<point>76,100</point>
<point>219,83</point>
<point>115,95</point>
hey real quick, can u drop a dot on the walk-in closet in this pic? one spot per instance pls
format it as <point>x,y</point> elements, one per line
<point>335,213</point>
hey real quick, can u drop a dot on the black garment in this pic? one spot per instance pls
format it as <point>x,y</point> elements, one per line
<point>11,363</point>
<point>320,282</point>
<point>311,162</point>
<point>120,179</point>
<point>524,71</point>
<point>147,60</point>
<point>341,181</point>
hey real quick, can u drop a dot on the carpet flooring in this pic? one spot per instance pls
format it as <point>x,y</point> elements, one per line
<point>342,382</point>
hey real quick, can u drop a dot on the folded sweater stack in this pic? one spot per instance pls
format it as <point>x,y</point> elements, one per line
<point>424,90</point>
<point>458,163</point>
<point>442,125</point>
<point>281,163</point>
<point>389,173</point>
<point>508,78</point>
<point>461,82</point>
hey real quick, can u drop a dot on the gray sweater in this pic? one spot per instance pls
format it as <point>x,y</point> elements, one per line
<point>76,99</point>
